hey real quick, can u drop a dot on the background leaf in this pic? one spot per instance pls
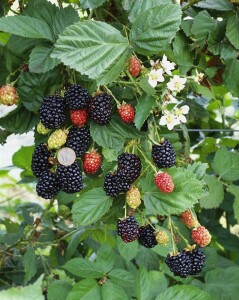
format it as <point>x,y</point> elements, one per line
<point>215,195</point>
<point>83,268</point>
<point>143,108</point>
<point>156,32</point>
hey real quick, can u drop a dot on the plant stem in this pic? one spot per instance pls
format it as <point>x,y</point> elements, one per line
<point>172,234</point>
<point>146,159</point>
<point>109,91</point>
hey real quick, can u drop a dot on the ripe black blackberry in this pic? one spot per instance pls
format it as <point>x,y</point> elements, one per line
<point>70,178</point>
<point>113,185</point>
<point>52,112</point>
<point>40,160</point>
<point>198,261</point>
<point>128,229</point>
<point>129,167</point>
<point>163,155</point>
<point>100,108</point>
<point>180,264</point>
<point>147,236</point>
<point>48,185</point>
<point>77,97</point>
<point>78,139</point>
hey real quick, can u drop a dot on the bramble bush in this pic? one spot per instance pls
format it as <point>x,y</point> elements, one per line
<point>134,170</point>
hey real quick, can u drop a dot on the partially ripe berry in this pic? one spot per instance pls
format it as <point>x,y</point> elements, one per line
<point>133,197</point>
<point>91,162</point>
<point>8,95</point>
<point>134,66</point>
<point>57,139</point>
<point>41,129</point>
<point>79,117</point>
<point>201,236</point>
<point>164,182</point>
<point>128,229</point>
<point>126,112</point>
<point>162,238</point>
<point>188,219</point>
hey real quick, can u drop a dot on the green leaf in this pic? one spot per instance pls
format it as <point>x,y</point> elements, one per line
<point>226,164</point>
<point>185,292</point>
<point>127,250</point>
<point>232,31</point>
<point>30,264</point>
<point>3,136</point>
<point>203,23</point>
<point>157,283</point>
<point>156,32</point>
<point>222,283</point>
<point>134,8</point>
<point>199,169</point>
<point>201,90</point>
<point>216,193</point>
<point>143,108</point>
<point>186,193</point>
<point>64,18</point>
<point>58,290</point>
<point>230,76</point>
<point>83,268</point>
<point>142,284</point>
<point>19,120</point>
<point>91,206</point>
<point>22,293</point>
<point>221,5</point>
<point>95,49</point>
<point>91,3</point>
<point>105,258</point>
<point>233,189</point>
<point>40,60</point>
<point>121,277</point>
<point>33,87</point>
<point>146,87</point>
<point>85,289</point>
<point>112,291</point>
<point>23,157</point>
<point>114,134</point>
<point>35,28</point>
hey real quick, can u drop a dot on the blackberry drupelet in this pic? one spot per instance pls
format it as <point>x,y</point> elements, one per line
<point>163,155</point>
<point>40,162</point>
<point>70,178</point>
<point>128,229</point>
<point>52,112</point>
<point>48,185</point>
<point>113,185</point>
<point>77,97</point>
<point>198,261</point>
<point>180,264</point>
<point>147,236</point>
<point>78,139</point>
<point>101,108</point>
<point>129,167</point>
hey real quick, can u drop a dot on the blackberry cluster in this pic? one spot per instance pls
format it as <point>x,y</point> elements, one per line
<point>70,178</point>
<point>186,263</point>
<point>163,155</point>
<point>147,236</point>
<point>78,139</point>
<point>48,185</point>
<point>114,185</point>
<point>52,112</point>
<point>77,97</point>
<point>40,160</point>
<point>100,108</point>
<point>129,167</point>
<point>128,229</point>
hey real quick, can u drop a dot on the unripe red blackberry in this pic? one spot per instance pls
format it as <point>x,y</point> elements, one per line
<point>134,66</point>
<point>163,155</point>
<point>128,229</point>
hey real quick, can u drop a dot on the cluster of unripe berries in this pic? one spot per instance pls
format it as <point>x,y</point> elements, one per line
<point>8,95</point>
